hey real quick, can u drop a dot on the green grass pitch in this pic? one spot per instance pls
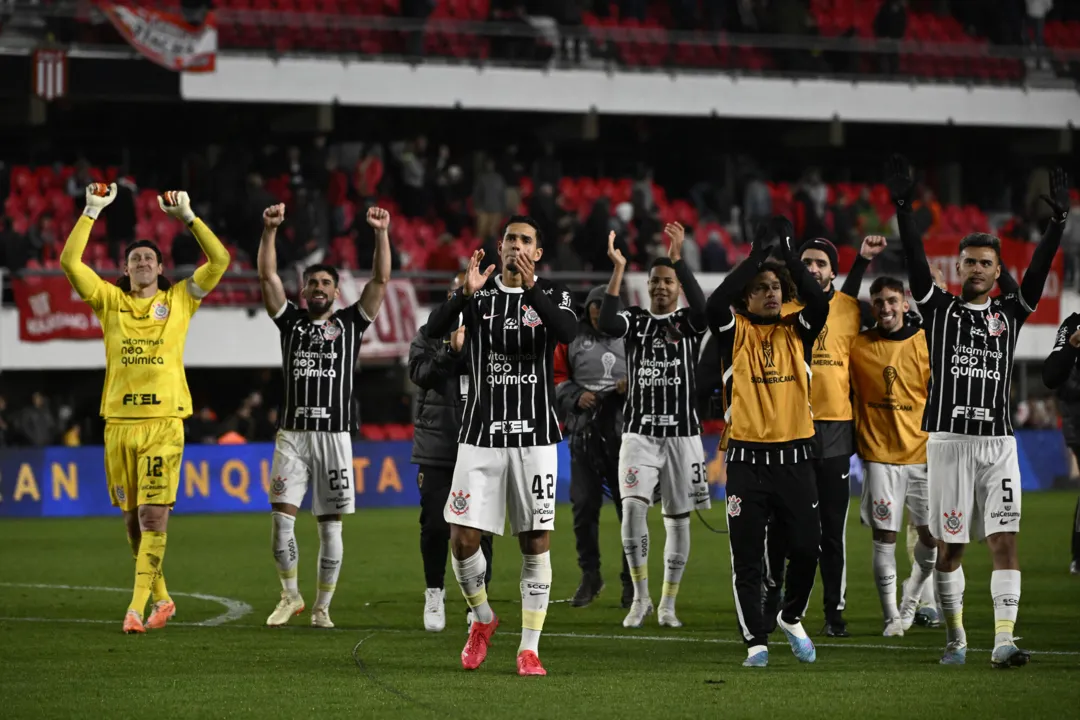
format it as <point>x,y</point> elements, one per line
<point>64,586</point>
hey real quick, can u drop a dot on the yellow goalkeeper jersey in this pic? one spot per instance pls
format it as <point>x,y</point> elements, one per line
<point>144,337</point>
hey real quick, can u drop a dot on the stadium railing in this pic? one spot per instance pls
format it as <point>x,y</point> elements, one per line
<point>936,49</point>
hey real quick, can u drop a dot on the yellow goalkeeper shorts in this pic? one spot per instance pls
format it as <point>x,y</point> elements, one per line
<point>142,461</point>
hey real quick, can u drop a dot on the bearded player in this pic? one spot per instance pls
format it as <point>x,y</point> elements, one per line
<point>145,320</point>
<point>319,347</point>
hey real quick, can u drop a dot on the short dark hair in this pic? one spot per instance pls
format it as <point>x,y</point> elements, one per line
<point>144,244</point>
<point>525,220</point>
<point>981,239</point>
<point>661,262</point>
<point>886,283</point>
<point>124,283</point>
<point>321,267</point>
<point>787,287</point>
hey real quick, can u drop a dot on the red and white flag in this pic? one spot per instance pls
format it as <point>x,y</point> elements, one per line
<point>50,74</point>
<point>166,37</point>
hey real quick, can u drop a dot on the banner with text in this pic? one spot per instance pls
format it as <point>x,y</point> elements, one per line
<point>70,482</point>
<point>50,309</point>
<point>166,38</point>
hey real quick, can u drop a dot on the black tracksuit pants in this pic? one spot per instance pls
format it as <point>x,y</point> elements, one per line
<point>834,496</point>
<point>435,485</point>
<point>587,497</point>
<point>786,494</point>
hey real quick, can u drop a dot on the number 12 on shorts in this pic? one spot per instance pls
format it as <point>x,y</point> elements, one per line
<point>543,487</point>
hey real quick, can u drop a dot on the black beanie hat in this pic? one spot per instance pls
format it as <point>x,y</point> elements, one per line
<point>824,246</point>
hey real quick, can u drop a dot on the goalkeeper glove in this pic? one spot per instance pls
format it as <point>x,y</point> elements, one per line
<point>177,204</point>
<point>98,196</point>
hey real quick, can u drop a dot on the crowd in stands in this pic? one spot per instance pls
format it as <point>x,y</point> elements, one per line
<point>447,201</point>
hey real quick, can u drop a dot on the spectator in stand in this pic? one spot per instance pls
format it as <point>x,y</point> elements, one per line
<point>869,222</point>
<point>489,201</point>
<point>757,203</point>
<point>122,216</point>
<point>891,24</point>
<point>266,425</point>
<point>186,253</point>
<point>927,212</point>
<point>1036,26</point>
<point>35,422</point>
<point>451,199</point>
<point>242,422</point>
<point>641,192</point>
<point>73,435</point>
<point>310,225</point>
<point>412,162</point>
<point>202,428</point>
<point>568,15</point>
<point>76,184</point>
<point>369,173</point>
<point>714,257</point>
<point>809,198</point>
<point>566,258</point>
<point>548,167</point>
<point>512,170</point>
<point>43,238</point>
<point>691,251</point>
<point>545,209</point>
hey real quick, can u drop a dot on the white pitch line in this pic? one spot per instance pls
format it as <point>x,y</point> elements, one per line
<point>234,609</point>
<point>570,636</point>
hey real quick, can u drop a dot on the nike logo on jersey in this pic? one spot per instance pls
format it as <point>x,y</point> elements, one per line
<point>491,316</point>
<point>1004,522</point>
<point>814,505</point>
<point>545,520</point>
<point>845,475</point>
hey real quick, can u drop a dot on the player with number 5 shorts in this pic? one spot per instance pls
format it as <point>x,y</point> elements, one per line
<point>971,458</point>
<point>661,445</point>
<point>319,347</point>
<point>144,319</point>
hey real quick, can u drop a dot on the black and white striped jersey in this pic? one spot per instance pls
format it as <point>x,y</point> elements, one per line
<point>318,359</point>
<point>661,360</point>
<point>511,401</point>
<point>971,361</point>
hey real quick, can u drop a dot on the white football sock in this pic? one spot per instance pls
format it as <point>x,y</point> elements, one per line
<point>676,552</point>
<point>331,550</point>
<point>470,577</point>
<point>635,539</point>
<point>286,554</point>
<point>950,590</point>
<point>535,593</point>
<point>885,577</point>
<point>922,571</point>
<point>1005,589</point>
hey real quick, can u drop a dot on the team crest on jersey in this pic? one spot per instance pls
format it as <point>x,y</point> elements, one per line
<point>631,479</point>
<point>531,318</point>
<point>734,506</point>
<point>995,325</point>
<point>159,311</point>
<point>882,509</point>
<point>331,332</point>
<point>954,522</point>
<point>420,481</point>
<point>459,502</point>
<point>120,494</point>
<point>277,487</point>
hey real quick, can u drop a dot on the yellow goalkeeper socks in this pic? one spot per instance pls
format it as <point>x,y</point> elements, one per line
<point>147,568</point>
<point>159,592</point>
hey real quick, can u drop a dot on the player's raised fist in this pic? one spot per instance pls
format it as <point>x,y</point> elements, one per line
<point>98,195</point>
<point>177,204</point>
<point>274,215</point>
<point>614,253</point>
<point>378,218</point>
<point>872,245</point>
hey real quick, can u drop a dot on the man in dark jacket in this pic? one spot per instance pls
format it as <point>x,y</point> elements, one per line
<point>590,386</point>
<point>439,367</point>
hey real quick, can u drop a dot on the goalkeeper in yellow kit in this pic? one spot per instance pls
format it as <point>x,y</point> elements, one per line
<point>145,321</point>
